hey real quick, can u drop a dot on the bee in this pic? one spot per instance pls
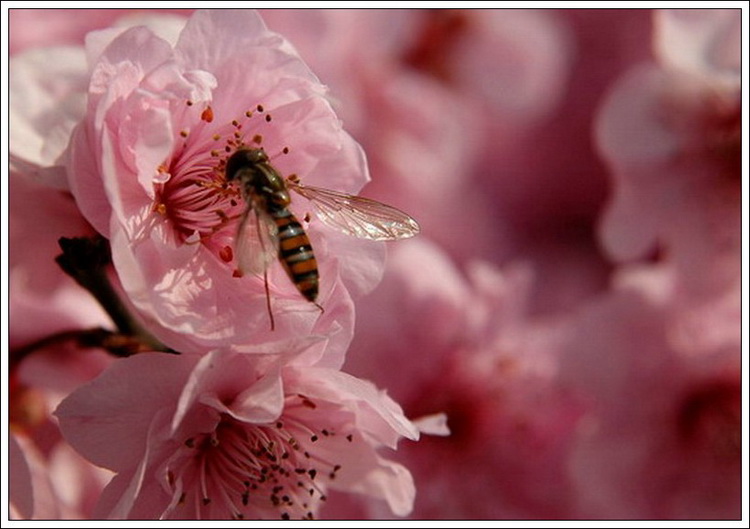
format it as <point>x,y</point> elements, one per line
<point>279,235</point>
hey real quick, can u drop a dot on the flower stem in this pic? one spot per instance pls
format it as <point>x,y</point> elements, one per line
<point>117,344</point>
<point>85,259</point>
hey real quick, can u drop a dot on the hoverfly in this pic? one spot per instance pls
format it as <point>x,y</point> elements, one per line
<point>279,235</point>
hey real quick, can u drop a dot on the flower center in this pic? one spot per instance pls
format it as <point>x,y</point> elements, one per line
<point>192,192</point>
<point>708,421</point>
<point>242,471</point>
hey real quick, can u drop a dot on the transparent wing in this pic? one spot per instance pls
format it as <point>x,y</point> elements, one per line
<point>257,241</point>
<point>358,216</point>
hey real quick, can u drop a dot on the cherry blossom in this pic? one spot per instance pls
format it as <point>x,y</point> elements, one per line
<point>465,346</point>
<point>146,167</point>
<point>45,28</point>
<point>232,435</point>
<point>499,149</point>
<point>31,493</point>
<point>677,180</point>
<point>571,307</point>
<point>661,436</point>
<point>42,297</point>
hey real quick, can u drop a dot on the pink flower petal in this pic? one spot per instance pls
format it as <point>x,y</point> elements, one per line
<point>48,100</point>
<point>704,42</point>
<point>21,490</point>
<point>110,408</point>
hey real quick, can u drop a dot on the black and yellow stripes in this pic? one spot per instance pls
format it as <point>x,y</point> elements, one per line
<point>296,253</point>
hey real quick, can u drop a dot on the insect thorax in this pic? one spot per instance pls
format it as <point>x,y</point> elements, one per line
<point>259,179</point>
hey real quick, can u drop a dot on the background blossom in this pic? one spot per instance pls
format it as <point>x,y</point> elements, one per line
<point>572,304</point>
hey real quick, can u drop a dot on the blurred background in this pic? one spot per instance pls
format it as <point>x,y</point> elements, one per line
<point>573,301</point>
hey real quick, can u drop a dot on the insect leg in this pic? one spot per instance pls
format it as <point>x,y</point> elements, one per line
<point>268,298</point>
<point>265,274</point>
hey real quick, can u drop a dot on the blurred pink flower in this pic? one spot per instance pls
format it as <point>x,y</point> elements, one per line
<point>671,135</point>
<point>465,345</point>
<point>50,484</point>
<point>234,436</point>
<point>31,495</point>
<point>47,310</point>
<point>661,437</point>
<point>428,96</point>
<point>38,28</point>
<point>43,300</point>
<point>478,116</point>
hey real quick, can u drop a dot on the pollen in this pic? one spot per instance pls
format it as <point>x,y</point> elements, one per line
<point>207,115</point>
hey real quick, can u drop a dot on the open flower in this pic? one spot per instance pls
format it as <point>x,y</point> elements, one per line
<point>466,346</point>
<point>661,438</point>
<point>146,166</point>
<point>230,435</point>
<point>670,132</point>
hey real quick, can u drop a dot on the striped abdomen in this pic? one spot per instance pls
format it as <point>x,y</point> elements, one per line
<point>296,253</point>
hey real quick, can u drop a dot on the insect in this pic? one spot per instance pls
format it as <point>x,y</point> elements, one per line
<point>279,235</point>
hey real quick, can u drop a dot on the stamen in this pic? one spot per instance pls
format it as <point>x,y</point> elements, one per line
<point>207,115</point>
<point>226,254</point>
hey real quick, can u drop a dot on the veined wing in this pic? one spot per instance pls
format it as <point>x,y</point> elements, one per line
<point>257,242</point>
<point>358,216</point>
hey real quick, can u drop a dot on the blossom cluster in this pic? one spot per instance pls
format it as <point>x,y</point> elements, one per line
<point>212,413</point>
<point>571,305</point>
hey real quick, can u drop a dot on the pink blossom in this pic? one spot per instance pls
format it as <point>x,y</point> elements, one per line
<point>671,136</point>
<point>51,485</point>
<point>145,166</point>
<point>572,304</point>
<point>37,28</point>
<point>661,435</point>
<point>704,43</point>
<point>427,97</point>
<point>31,493</point>
<point>465,345</point>
<point>47,311</point>
<point>497,151</point>
<point>234,436</point>
<point>661,438</point>
<point>43,300</point>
